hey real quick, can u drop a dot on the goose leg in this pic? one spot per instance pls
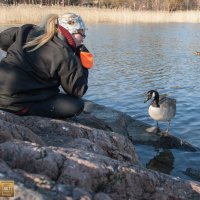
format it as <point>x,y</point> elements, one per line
<point>168,127</point>
<point>157,124</point>
<point>157,127</point>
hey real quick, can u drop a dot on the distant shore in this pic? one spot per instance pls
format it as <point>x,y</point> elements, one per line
<point>33,14</point>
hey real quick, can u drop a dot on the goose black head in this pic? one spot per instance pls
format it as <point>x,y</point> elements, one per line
<point>152,94</point>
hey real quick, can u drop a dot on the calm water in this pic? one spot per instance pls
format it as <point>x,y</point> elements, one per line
<point>132,59</point>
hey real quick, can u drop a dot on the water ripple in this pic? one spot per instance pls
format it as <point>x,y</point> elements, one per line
<point>130,60</point>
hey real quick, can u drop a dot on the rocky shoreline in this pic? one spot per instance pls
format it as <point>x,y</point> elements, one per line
<point>91,156</point>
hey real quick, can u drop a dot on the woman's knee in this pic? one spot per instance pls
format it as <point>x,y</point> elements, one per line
<point>79,107</point>
<point>61,106</point>
<point>69,106</point>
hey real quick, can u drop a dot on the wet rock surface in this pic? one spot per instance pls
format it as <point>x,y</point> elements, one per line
<point>194,173</point>
<point>135,130</point>
<point>91,156</point>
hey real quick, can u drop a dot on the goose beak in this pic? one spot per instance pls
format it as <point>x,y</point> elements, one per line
<point>147,99</point>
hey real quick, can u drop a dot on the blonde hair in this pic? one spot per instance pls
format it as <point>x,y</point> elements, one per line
<point>50,24</point>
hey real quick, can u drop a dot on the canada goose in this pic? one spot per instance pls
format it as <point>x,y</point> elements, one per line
<point>161,109</point>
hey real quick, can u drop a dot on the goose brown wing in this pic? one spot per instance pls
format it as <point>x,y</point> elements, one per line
<point>169,105</point>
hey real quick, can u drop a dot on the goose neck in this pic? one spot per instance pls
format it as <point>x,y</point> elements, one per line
<point>155,102</point>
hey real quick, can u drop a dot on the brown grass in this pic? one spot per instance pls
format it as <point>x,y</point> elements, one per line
<point>33,14</point>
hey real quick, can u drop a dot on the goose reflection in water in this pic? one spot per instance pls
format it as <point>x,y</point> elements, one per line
<point>162,162</point>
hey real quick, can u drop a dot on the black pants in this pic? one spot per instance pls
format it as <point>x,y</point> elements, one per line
<point>60,106</point>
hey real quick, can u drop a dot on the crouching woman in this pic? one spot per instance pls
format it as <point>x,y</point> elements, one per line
<point>39,60</point>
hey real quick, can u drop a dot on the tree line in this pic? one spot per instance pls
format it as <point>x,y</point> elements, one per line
<point>136,5</point>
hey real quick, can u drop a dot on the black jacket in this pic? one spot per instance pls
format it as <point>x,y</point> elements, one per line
<point>26,77</point>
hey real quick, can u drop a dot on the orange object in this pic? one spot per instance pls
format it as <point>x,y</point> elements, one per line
<point>86,59</point>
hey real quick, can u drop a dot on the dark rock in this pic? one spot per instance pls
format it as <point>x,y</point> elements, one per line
<point>135,130</point>
<point>194,173</point>
<point>85,158</point>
